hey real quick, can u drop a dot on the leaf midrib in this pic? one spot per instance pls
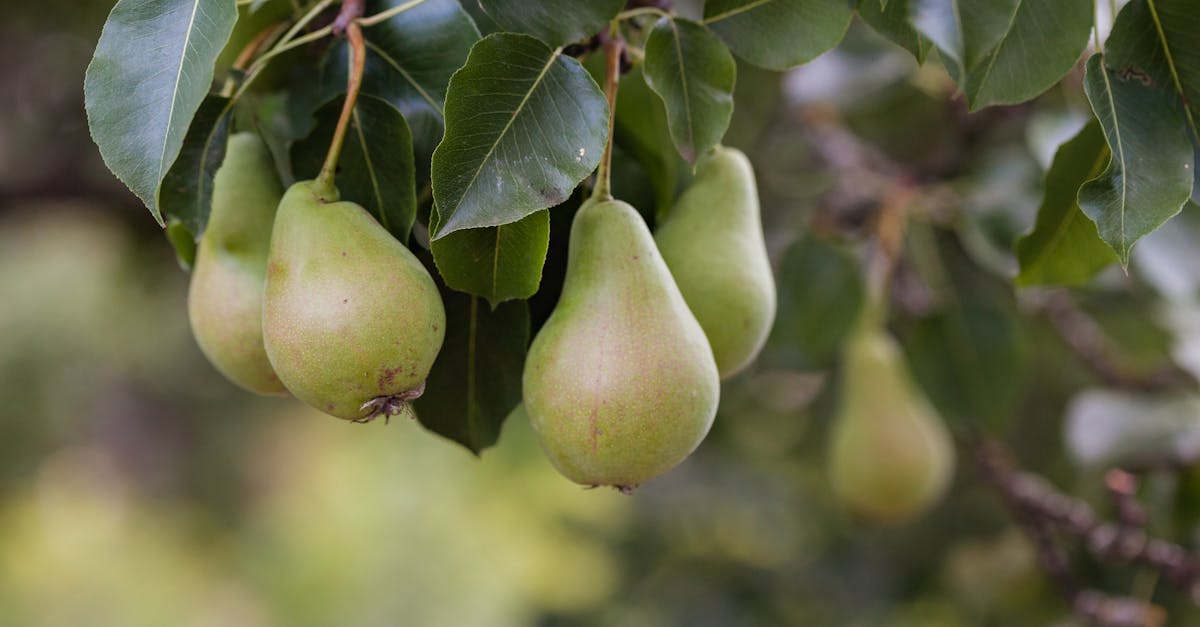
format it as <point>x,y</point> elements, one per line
<point>738,11</point>
<point>1162,36</point>
<point>683,83</point>
<point>987,73</point>
<point>407,77</point>
<point>162,157</point>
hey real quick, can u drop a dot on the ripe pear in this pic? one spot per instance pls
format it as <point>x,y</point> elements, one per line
<point>226,292</point>
<point>620,384</point>
<point>352,320</point>
<point>892,456</point>
<point>713,242</point>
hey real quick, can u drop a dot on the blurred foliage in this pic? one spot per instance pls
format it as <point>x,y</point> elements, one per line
<point>139,488</point>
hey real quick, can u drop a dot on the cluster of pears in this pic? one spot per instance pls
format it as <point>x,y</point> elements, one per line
<point>622,382</point>
<point>891,455</point>
<point>296,292</point>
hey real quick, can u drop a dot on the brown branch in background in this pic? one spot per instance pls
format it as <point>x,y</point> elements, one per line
<point>1086,337</point>
<point>1046,513</point>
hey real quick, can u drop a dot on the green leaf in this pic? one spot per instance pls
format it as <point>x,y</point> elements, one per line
<point>1005,51</point>
<point>693,73</point>
<point>410,59</point>
<point>821,291</point>
<point>498,263</point>
<point>524,125</point>
<point>1158,39</point>
<point>184,243</point>
<point>891,21</point>
<point>476,380</point>
<point>1064,247</point>
<point>1149,176</point>
<point>376,166</point>
<point>550,21</point>
<point>152,68</point>
<point>186,194</point>
<point>779,34</point>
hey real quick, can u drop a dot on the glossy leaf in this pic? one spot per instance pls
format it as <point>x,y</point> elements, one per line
<point>524,125</point>
<point>1149,176</point>
<point>779,34</point>
<point>498,263</point>
<point>693,73</point>
<point>890,19</point>
<point>1005,51</point>
<point>1064,247</point>
<point>476,380</point>
<point>151,70</point>
<point>551,21</point>
<point>376,166</point>
<point>186,194</point>
<point>410,59</point>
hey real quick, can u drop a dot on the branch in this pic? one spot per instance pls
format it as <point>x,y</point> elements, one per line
<point>1043,511</point>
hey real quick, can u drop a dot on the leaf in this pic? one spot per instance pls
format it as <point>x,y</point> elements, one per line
<point>410,59</point>
<point>151,70</point>
<point>1005,51</point>
<point>376,166</point>
<point>476,380</point>
<point>524,125</point>
<point>550,21</point>
<point>498,263</point>
<point>779,34</point>
<point>186,194</point>
<point>1149,176</point>
<point>1158,39</point>
<point>1064,247</point>
<point>891,21</point>
<point>693,73</point>
<point>184,244</point>
<point>821,292</point>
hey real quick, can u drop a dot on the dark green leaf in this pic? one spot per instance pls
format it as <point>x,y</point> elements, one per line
<point>186,193</point>
<point>1160,40</point>
<point>550,20</point>
<point>694,74</point>
<point>1005,51</point>
<point>376,166</point>
<point>152,68</point>
<point>779,34</point>
<point>524,125</point>
<point>498,263</point>
<point>1064,247</point>
<point>1149,176</point>
<point>820,294</point>
<point>476,380</point>
<point>410,59</point>
<point>891,21</point>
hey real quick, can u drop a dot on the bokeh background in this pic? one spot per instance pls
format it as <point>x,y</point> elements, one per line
<point>137,487</point>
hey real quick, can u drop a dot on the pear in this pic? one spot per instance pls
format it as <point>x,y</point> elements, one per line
<point>352,320</point>
<point>892,457</point>
<point>713,242</point>
<point>620,384</point>
<point>226,292</point>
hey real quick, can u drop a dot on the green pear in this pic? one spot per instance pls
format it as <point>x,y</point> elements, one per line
<point>892,457</point>
<point>352,320</point>
<point>620,384</point>
<point>226,292</point>
<point>713,242</point>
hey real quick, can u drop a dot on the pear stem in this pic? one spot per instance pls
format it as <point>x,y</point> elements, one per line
<point>249,52</point>
<point>889,237</point>
<point>613,45</point>
<point>357,64</point>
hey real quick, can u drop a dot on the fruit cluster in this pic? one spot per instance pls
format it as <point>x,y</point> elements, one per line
<point>297,292</point>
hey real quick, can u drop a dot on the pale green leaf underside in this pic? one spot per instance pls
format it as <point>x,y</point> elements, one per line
<point>498,263</point>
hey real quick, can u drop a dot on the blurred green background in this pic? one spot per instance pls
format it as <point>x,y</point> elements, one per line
<point>137,487</point>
